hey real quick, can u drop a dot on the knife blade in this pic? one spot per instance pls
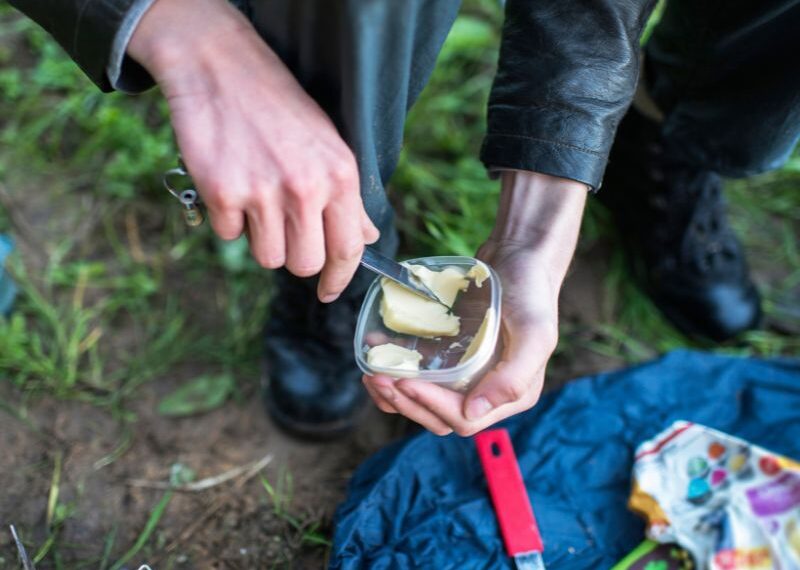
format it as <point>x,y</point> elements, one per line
<point>397,272</point>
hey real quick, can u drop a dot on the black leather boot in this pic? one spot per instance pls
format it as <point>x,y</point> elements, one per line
<point>312,386</point>
<point>672,218</point>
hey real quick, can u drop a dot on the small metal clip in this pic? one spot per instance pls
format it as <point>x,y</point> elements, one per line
<point>189,198</point>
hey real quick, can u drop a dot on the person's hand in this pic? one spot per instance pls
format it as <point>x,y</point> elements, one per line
<point>265,157</point>
<point>530,248</point>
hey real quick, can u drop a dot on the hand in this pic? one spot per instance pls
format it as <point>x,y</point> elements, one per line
<point>530,248</point>
<point>265,157</point>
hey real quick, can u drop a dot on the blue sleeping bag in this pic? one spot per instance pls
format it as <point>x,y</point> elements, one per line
<point>8,289</point>
<point>423,502</point>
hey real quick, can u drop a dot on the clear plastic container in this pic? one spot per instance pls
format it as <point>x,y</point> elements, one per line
<point>442,355</point>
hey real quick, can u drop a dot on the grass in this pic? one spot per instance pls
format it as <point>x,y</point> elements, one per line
<point>306,530</point>
<point>147,531</point>
<point>109,281</point>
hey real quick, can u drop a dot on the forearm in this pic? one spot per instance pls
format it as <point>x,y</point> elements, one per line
<point>175,37</point>
<point>541,213</point>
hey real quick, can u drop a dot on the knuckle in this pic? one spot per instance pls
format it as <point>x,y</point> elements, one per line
<point>301,187</point>
<point>531,399</point>
<point>344,172</point>
<point>465,430</point>
<point>348,252</point>
<point>305,269</point>
<point>269,260</point>
<point>550,337</point>
<point>227,233</point>
<point>514,390</point>
<point>218,197</point>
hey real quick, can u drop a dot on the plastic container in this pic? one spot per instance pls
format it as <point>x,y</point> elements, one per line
<point>441,356</point>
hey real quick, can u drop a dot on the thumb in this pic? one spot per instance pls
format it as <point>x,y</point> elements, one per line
<point>371,233</point>
<point>518,376</point>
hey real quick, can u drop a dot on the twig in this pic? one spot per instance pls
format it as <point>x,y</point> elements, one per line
<point>249,470</point>
<point>23,555</point>
<point>213,507</point>
<point>134,240</point>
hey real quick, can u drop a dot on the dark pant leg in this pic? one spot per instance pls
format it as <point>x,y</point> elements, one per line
<point>725,73</point>
<point>365,62</point>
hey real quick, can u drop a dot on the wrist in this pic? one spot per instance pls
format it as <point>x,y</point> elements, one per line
<point>175,35</point>
<point>540,212</point>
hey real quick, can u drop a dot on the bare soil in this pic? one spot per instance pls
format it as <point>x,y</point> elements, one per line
<point>232,525</point>
<point>235,524</point>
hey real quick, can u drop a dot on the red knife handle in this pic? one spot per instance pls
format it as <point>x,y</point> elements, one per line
<point>507,489</point>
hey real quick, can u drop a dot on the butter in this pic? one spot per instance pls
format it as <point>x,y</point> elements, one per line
<point>478,273</point>
<point>393,356</point>
<point>408,313</point>
<point>479,337</point>
<point>447,283</point>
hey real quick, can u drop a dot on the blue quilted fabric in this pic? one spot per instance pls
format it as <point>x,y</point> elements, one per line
<point>8,289</point>
<point>423,503</point>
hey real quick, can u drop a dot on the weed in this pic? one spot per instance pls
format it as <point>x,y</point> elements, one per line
<point>147,531</point>
<point>307,529</point>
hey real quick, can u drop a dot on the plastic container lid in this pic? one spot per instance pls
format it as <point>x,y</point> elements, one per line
<point>442,355</point>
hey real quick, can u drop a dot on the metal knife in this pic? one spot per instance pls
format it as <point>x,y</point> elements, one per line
<point>397,272</point>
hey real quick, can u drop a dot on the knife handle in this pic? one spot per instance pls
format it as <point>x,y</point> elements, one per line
<point>507,489</point>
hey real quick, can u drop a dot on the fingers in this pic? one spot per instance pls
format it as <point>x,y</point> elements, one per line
<point>223,203</point>
<point>381,402</point>
<point>227,223</point>
<point>518,377</point>
<point>344,244</point>
<point>305,239</point>
<point>347,229</point>
<point>311,222</point>
<point>371,233</point>
<point>448,406</point>
<point>393,398</point>
<point>512,386</point>
<point>266,235</point>
<point>441,403</point>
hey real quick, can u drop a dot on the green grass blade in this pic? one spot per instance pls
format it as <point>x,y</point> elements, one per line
<point>152,522</point>
<point>107,547</point>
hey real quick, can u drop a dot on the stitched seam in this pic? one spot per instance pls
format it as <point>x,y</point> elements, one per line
<point>557,143</point>
<point>538,105</point>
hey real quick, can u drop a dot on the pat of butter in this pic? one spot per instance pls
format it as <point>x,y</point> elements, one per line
<point>447,283</point>
<point>393,356</point>
<point>479,337</point>
<point>406,312</point>
<point>478,273</point>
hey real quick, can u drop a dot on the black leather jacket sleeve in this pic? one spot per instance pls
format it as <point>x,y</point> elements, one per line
<point>567,74</point>
<point>85,29</point>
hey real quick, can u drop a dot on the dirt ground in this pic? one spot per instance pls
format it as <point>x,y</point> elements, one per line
<point>229,526</point>
<point>111,469</point>
<point>233,524</point>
